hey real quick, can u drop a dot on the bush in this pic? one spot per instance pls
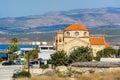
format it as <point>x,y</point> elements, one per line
<point>43,66</point>
<point>97,58</point>
<point>66,73</point>
<point>80,54</point>
<point>1,59</point>
<point>106,53</point>
<point>60,58</point>
<point>21,74</point>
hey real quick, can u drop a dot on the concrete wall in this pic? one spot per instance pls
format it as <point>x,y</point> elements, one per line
<point>110,59</point>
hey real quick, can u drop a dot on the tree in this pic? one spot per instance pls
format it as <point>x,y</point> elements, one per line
<point>14,40</point>
<point>13,48</point>
<point>34,54</point>
<point>80,54</point>
<point>107,52</point>
<point>1,59</point>
<point>59,58</point>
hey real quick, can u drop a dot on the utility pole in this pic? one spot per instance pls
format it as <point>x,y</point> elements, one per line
<point>28,53</point>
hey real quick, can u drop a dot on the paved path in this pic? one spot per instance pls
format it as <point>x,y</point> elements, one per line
<point>6,72</point>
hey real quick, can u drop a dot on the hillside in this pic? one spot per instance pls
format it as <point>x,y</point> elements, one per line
<point>100,21</point>
<point>55,20</point>
<point>112,35</point>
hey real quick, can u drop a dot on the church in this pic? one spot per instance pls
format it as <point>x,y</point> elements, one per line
<point>77,35</point>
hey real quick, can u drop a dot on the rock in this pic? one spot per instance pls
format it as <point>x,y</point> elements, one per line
<point>48,72</point>
<point>62,68</point>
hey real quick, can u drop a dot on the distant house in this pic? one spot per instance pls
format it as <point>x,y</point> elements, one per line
<point>45,52</point>
<point>77,35</point>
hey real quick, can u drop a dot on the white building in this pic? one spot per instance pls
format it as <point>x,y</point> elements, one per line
<point>45,52</point>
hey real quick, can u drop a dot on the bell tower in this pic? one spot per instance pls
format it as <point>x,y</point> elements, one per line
<point>59,37</point>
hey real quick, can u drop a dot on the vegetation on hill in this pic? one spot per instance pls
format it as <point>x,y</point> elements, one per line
<point>41,23</point>
<point>111,34</point>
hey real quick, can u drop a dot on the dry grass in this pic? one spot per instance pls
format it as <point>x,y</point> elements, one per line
<point>43,77</point>
<point>114,75</point>
<point>101,76</point>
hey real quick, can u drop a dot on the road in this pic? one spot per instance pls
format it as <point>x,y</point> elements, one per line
<point>6,72</point>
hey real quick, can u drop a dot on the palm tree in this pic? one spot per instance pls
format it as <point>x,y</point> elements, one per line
<point>14,40</point>
<point>13,47</point>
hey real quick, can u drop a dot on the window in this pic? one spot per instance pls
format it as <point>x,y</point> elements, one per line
<point>51,48</point>
<point>68,33</point>
<point>60,40</point>
<point>85,33</point>
<point>44,48</point>
<point>76,33</point>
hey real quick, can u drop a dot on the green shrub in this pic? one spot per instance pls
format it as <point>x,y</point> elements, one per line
<point>60,74</point>
<point>60,58</point>
<point>1,59</point>
<point>107,52</point>
<point>22,74</point>
<point>97,58</point>
<point>43,66</point>
<point>67,73</point>
<point>80,54</point>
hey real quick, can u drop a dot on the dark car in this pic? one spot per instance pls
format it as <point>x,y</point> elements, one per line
<point>33,62</point>
<point>19,62</point>
<point>31,65</point>
<point>8,63</point>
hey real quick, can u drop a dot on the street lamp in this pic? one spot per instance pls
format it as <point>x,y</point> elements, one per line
<point>28,53</point>
<point>8,53</point>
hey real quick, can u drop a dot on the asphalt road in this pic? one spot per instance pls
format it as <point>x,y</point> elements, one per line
<point>6,72</point>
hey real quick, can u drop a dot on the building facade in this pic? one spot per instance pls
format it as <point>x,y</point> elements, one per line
<point>77,35</point>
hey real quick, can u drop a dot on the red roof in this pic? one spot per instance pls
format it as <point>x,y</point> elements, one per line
<point>97,41</point>
<point>107,44</point>
<point>76,27</point>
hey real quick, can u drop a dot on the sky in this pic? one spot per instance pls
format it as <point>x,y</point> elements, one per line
<point>18,8</point>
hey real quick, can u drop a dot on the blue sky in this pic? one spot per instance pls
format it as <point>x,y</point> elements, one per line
<point>17,8</point>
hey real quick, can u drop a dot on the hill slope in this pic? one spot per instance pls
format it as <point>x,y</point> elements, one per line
<point>53,20</point>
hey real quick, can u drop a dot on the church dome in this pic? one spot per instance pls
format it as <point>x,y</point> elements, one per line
<point>76,27</point>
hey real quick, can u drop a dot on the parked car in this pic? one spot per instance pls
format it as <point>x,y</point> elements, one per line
<point>8,63</point>
<point>19,62</point>
<point>33,62</point>
<point>31,65</point>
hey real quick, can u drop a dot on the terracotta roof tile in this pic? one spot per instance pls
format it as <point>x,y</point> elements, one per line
<point>97,40</point>
<point>107,44</point>
<point>76,27</point>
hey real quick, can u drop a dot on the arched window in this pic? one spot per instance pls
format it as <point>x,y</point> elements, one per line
<point>68,33</point>
<point>85,33</point>
<point>60,40</point>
